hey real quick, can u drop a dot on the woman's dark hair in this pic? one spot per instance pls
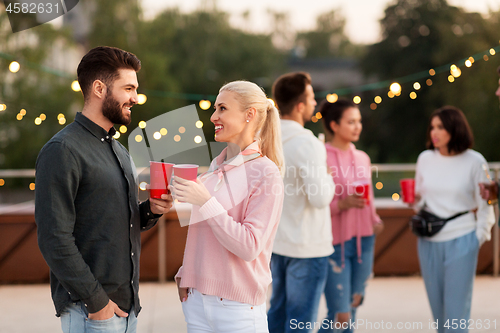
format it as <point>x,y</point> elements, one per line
<point>102,63</point>
<point>334,111</point>
<point>455,123</point>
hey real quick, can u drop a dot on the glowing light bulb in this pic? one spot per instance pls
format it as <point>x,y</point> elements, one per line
<point>75,86</point>
<point>332,98</point>
<point>395,88</point>
<point>141,99</point>
<point>14,67</point>
<point>205,104</point>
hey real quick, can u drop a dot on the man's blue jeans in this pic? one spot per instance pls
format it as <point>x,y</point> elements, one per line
<point>297,287</point>
<point>74,319</point>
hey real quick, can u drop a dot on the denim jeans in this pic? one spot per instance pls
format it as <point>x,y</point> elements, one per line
<point>343,283</point>
<point>448,269</point>
<point>297,287</point>
<point>74,319</point>
<point>213,314</point>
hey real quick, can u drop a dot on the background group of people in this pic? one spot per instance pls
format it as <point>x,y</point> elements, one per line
<point>276,206</point>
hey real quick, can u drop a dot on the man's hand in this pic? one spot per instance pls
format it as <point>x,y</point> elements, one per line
<point>108,312</point>
<point>161,206</point>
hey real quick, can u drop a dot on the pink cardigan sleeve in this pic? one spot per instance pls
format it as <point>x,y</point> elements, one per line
<point>247,238</point>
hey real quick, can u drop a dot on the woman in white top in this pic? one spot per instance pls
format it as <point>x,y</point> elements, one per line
<point>447,182</point>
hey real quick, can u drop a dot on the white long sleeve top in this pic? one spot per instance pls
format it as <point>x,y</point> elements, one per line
<point>305,229</point>
<point>449,185</point>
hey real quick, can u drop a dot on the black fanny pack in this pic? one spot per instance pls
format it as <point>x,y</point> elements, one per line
<point>425,224</point>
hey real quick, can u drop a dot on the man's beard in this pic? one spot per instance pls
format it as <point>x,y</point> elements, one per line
<point>112,110</point>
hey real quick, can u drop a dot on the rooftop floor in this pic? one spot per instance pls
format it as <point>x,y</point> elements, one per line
<point>398,301</point>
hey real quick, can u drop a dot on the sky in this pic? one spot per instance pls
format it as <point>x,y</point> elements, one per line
<point>362,16</point>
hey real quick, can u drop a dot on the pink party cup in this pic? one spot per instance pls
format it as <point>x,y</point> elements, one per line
<point>159,174</point>
<point>186,171</point>
<point>408,190</point>
<point>362,188</point>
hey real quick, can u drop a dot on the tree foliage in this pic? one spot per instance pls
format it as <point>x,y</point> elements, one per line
<point>419,35</point>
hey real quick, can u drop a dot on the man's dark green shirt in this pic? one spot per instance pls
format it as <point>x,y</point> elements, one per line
<point>89,218</point>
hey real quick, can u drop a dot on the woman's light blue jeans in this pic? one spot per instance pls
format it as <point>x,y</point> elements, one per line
<point>448,269</point>
<point>343,283</point>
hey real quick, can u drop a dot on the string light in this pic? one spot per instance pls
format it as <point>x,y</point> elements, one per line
<point>141,99</point>
<point>3,107</point>
<point>157,135</point>
<point>356,99</point>
<point>182,130</point>
<point>432,72</point>
<point>492,52</point>
<point>2,182</point>
<point>451,78</point>
<point>43,116</point>
<point>468,63</point>
<point>199,124</point>
<point>379,185</point>
<point>142,186</point>
<point>455,71</point>
<point>486,58</point>
<point>163,131</point>
<point>332,98</point>
<point>75,86</point>
<point>117,135</point>
<point>142,124</point>
<point>417,86</point>
<point>428,82</point>
<point>395,197</point>
<point>38,121</point>
<point>19,116</point>
<point>62,121</point>
<point>314,119</point>
<point>138,138</point>
<point>390,94</point>
<point>123,129</point>
<point>197,139</point>
<point>395,88</point>
<point>378,99</point>
<point>318,115</point>
<point>413,95</point>
<point>32,186</point>
<point>177,138</point>
<point>205,104</point>
<point>14,67</point>
<point>373,106</point>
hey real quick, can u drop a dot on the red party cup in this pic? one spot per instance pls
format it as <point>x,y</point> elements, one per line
<point>159,175</point>
<point>408,190</point>
<point>362,188</point>
<point>186,171</point>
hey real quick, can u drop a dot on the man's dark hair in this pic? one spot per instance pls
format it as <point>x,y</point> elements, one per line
<point>455,123</point>
<point>334,111</point>
<point>498,70</point>
<point>102,63</point>
<point>289,90</point>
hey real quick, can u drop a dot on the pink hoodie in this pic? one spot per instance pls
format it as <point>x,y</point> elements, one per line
<point>347,167</point>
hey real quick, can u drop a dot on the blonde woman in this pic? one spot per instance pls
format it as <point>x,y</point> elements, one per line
<point>236,209</point>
